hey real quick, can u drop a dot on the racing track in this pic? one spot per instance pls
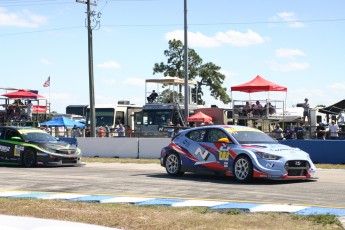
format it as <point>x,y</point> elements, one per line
<point>151,180</point>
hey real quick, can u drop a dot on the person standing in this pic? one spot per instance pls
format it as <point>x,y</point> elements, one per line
<point>47,129</point>
<point>29,110</point>
<point>333,130</point>
<point>121,131</point>
<point>278,132</point>
<point>306,111</point>
<point>299,131</point>
<point>321,131</point>
<point>76,131</point>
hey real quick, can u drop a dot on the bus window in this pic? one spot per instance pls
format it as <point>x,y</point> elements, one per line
<point>120,117</point>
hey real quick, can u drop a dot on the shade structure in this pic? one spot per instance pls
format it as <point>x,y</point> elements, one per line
<point>63,122</point>
<point>199,117</point>
<point>334,109</point>
<point>258,84</point>
<point>22,94</point>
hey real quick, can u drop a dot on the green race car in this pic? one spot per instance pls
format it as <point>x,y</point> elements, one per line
<point>29,147</point>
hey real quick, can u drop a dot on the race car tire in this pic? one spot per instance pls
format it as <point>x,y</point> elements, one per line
<point>173,165</point>
<point>243,169</point>
<point>29,158</point>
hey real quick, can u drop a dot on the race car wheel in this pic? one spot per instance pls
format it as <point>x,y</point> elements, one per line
<point>29,158</point>
<point>173,165</point>
<point>243,169</point>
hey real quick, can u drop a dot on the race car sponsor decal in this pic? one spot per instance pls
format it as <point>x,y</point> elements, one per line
<point>4,149</point>
<point>224,151</point>
<point>224,155</point>
<point>18,149</point>
<point>204,154</point>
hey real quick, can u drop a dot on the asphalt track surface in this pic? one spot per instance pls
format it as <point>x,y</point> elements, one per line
<point>151,180</point>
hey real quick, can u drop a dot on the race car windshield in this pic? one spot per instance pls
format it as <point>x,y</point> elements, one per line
<point>249,137</point>
<point>38,137</point>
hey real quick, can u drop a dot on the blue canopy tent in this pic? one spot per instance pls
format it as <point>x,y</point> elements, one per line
<point>63,122</point>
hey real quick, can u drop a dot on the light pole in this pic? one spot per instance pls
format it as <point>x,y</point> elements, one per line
<point>186,92</point>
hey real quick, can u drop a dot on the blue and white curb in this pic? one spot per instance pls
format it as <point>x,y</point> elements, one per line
<point>145,201</point>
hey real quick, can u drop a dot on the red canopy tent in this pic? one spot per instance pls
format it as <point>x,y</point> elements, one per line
<point>258,84</point>
<point>199,117</point>
<point>22,94</point>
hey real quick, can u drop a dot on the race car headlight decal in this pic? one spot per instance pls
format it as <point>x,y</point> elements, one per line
<point>267,156</point>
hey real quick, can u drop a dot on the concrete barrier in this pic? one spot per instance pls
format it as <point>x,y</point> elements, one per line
<point>320,151</point>
<point>108,147</point>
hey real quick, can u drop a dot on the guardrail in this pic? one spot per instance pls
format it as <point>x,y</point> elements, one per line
<point>320,151</point>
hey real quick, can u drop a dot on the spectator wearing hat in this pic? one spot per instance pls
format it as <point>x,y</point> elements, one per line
<point>333,130</point>
<point>306,110</point>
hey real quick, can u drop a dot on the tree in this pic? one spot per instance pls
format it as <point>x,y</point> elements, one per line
<point>208,73</point>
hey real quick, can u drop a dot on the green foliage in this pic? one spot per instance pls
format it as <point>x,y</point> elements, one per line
<point>320,219</point>
<point>209,73</point>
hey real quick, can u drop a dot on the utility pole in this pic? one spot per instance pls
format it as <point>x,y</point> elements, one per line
<point>186,92</point>
<point>91,77</point>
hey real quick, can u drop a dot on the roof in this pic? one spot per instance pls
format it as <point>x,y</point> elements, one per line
<point>258,84</point>
<point>334,109</point>
<point>170,81</point>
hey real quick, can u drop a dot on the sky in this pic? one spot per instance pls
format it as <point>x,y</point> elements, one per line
<point>297,44</point>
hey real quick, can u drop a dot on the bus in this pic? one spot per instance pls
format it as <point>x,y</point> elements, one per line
<point>166,107</point>
<point>112,115</point>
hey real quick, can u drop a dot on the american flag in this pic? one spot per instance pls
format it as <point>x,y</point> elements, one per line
<point>47,82</point>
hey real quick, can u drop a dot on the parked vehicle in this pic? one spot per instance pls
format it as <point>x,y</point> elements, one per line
<point>238,151</point>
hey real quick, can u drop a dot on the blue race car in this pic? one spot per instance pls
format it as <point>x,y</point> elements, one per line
<point>29,147</point>
<point>238,151</point>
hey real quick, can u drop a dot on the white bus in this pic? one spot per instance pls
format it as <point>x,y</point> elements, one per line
<point>114,114</point>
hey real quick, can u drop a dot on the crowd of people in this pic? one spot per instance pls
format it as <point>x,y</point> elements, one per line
<point>257,109</point>
<point>298,132</point>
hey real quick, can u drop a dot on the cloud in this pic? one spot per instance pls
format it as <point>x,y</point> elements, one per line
<point>337,86</point>
<point>109,65</point>
<point>291,66</point>
<point>234,38</point>
<point>288,53</point>
<point>291,18</point>
<point>23,18</point>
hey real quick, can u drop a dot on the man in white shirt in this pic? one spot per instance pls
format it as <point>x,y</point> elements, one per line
<point>333,130</point>
<point>29,110</point>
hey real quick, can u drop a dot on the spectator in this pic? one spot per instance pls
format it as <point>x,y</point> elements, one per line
<point>107,131</point>
<point>288,132</point>
<point>321,131</point>
<point>306,111</point>
<point>121,131</point>
<point>333,130</point>
<point>270,108</point>
<point>101,132</point>
<point>299,131</point>
<point>29,106</point>
<point>76,131</point>
<point>278,132</point>
<point>47,129</point>
<point>87,131</point>
<point>152,96</point>
<point>247,109</point>
<point>257,109</point>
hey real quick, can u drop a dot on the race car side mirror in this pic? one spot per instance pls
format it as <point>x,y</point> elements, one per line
<point>223,140</point>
